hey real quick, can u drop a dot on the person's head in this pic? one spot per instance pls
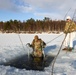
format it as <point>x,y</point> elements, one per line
<point>36,37</point>
<point>68,18</point>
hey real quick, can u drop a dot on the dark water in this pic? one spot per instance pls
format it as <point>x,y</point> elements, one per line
<point>23,62</point>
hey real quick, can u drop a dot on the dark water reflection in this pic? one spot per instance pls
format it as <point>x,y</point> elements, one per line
<point>23,62</point>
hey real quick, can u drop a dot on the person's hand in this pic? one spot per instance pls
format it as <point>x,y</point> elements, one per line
<point>28,44</point>
<point>65,32</point>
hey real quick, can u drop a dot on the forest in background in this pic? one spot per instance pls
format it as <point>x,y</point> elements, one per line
<point>32,26</point>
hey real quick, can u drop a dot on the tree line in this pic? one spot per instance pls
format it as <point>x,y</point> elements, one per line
<point>32,26</point>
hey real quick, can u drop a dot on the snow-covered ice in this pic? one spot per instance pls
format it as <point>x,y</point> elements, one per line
<point>14,45</point>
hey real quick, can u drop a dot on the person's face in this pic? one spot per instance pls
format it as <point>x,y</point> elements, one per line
<point>68,20</point>
<point>36,38</point>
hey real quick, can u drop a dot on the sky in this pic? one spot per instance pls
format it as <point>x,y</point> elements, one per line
<point>36,9</point>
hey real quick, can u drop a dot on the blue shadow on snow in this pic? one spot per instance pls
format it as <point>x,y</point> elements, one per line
<point>74,43</point>
<point>49,48</point>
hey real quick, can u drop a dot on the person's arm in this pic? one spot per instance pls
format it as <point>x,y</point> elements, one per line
<point>32,44</point>
<point>66,28</point>
<point>74,26</point>
<point>43,44</point>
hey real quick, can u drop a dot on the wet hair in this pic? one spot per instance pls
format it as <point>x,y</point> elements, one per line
<point>36,37</point>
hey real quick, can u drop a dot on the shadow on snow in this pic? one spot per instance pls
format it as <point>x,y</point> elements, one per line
<point>49,48</point>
